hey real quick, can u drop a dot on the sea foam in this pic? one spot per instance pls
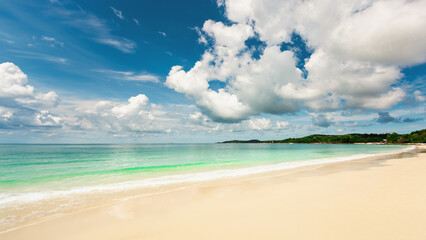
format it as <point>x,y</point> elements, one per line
<point>6,199</point>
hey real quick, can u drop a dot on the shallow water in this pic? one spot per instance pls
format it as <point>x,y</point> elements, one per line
<point>37,181</point>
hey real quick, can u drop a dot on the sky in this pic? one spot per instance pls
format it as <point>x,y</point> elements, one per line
<point>195,71</point>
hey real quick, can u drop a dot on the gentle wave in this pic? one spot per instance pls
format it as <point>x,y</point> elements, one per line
<point>13,198</point>
<point>104,172</point>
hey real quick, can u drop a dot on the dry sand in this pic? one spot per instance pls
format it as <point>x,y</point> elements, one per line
<point>359,199</point>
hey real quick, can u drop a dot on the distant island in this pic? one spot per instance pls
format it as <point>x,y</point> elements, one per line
<point>386,138</point>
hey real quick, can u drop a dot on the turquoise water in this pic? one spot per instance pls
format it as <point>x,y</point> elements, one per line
<point>61,166</point>
<point>33,174</point>
<point>29,165</point>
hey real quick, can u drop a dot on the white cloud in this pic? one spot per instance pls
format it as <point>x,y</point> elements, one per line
<point>282,125</point>
<point>7,41</point>
<point>136,116</point>
<point>383,32</point>
<point>123,44</point>
<point>418,96</point>
<point>136,21</point>
<point>53,40</point>
<point>232,37</point>
<point>260,124</point>
<point>14,88</point>
<point>380,102</point>
<point>20,104</point>
<point>162,34</point>
<point>13,82</point>
<point>252,124</point>
<point>118,13</point>
<point>39,100</point>
<point>28,110</point>
<point>358,50</point>
<point>387,32</point>
<point>130,76</point>
<point>219,105</point>
<point>354,124</point>
<point>133,107</point>
<point>39,56</point>
<point>45,118</point>
<point>95,28</point>
<point>47,38</point>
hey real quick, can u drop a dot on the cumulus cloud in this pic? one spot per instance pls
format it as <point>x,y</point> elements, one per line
<point>135,104</point>
<point>386,32</point>
<point>266,124</point>
<point>20,104</point>
<point>260,124</point>
<point>13,81</point>
<point>45,118</point>
<point>358,51</point>
<point>24,108</point>
<point>136,116</point>
<point>14,89</point>
<point>252,124</point>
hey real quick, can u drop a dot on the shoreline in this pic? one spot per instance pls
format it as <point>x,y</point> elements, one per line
<point>122,190</point>
<point>246,181</point>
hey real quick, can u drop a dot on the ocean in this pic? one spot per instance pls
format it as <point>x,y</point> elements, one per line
<point>38,182</point>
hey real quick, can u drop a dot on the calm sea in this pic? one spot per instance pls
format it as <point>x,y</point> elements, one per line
<point>37,181</point>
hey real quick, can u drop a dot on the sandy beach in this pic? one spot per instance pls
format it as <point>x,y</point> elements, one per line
<point>376,198</point>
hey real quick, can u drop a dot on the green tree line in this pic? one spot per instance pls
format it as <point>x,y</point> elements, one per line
<point>414,137</point>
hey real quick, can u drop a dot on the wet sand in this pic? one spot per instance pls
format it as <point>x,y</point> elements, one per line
<point>376,198</point>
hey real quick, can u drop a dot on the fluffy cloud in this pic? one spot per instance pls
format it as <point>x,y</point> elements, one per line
<point>266,124</point>
<point>230,37</point>
<point>20,104</point>
<point>45,118</point>
<point>22,107</point>
<point>260,124</point>
<point>133,107</point>
<point>13,82</point>
<point>137,115</point>
<point>386,32</point>
<point>358,51</point>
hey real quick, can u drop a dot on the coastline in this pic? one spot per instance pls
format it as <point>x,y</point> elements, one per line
<point>248,200</point>
<point>22,209</point>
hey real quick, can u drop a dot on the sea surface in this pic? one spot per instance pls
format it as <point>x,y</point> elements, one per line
<point>41,181</point>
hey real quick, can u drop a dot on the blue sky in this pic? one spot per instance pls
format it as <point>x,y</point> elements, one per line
<point>79,45</point>
<point>206,71</point>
